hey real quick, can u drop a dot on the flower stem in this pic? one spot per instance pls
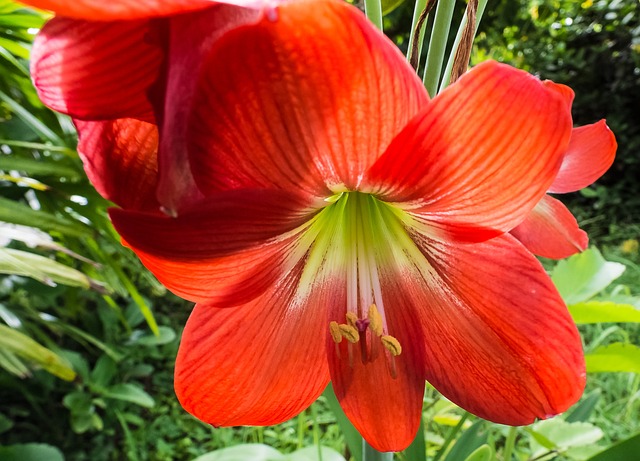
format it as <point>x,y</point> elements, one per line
<point>447,71</point>
<point>371,454</point>
<point>373,10</point>
<point>437,45</point>
<point>420,4</point>
<point>510,444</point>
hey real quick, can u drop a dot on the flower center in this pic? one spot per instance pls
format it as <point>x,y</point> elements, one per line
<point>354,237</point>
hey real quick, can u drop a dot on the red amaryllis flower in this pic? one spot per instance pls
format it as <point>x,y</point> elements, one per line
<point>339,225</point>
<point>550,230</point>
<point>116,63</point>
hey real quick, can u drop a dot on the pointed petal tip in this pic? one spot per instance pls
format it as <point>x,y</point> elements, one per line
<point>590,153</point>
<point>551,231</point>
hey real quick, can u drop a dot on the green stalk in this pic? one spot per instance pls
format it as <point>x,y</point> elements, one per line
<point>373,10</point>
<point>417,11</point>
<point>438,45</point>
<point>510,444</point>
<point>452,435</point>
<point>447,71</point>
<point>371,454</point>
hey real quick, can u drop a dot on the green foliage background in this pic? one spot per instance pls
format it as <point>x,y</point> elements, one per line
<point>93,310</point>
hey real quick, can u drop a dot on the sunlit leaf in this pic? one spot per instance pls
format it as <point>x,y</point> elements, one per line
<point>25,347</point>
<point>45,270</point>
<point>244,452</point>
<point>18,213</point>
<point>314,454</point>
<point>575,440</point>
<point>603,311</point>
<point>617,357</point>
<point>38,168</point>
<point>584,275</point>
<point>30,120</point>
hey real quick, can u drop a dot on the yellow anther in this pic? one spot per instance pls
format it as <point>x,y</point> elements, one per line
<point>392,345</point>
<point>375,320</point>
<point>336,334</point>
<point>349,332</point>
<point>352,319</point>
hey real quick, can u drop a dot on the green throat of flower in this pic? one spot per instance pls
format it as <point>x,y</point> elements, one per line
<point>354,238</point>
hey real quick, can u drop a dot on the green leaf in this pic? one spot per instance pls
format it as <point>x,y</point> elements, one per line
<point>5,423</point>
<point>584,275</point>
<point>130,393</point>
<point>165,336</point>
<point>25,347</point>
<point>627,450</point>
<point>30,452</point>
<point>470,440</point>
<point>565,435</point>
<point>314,453</point>
<point>11,363</point>
<point>603,311</point>
<point>483,453</point>
<point>387,7</point>
<point>417,451</point>
<point>244,452</point>
<point>583,410</point>
<point>37,168</point>
<point>39,146</point>
<point>18,213</point>
<point>78,402</point>
<point>23,21</point>
<point>30,120</point>
<point>352,437</point>
<point>42,269</point>
<point>616,357</point>
<point>104,371</point>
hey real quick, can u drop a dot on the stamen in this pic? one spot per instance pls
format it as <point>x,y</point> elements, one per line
<point>349,332</point>
<point>375,320</point>
<point>336,334</point>
<point>392,345</point>
<point>352,319</point>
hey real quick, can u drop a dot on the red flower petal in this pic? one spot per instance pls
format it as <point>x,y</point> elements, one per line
<point>499,340</point>
<point>563,90</point>
<point>120,158</point>
<point>191,38</point>
<point>225,250</point>
<point>93,70</point>
<point>126,9</point>
<point>479,157</point>
<point>257,364</point>
<point>551,231</point>
<point>382,397</point>
<point>590,154</point>
<point>306,108</point>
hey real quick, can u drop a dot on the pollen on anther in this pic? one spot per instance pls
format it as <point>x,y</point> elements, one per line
<point>349,332</point>
<point>336,334</point>
<point>352,319</point>
<point>392,345</point>
<point>375,320</point>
